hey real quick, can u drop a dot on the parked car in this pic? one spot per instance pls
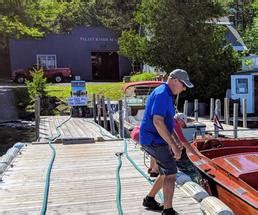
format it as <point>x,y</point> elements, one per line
<point>56,75</point>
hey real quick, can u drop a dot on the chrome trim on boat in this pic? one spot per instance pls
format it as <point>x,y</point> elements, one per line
<point>200,162</point>
<point>241,191</point>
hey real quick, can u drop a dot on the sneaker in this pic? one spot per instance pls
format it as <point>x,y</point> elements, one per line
<point>152,204</point>
<point>169,211</point>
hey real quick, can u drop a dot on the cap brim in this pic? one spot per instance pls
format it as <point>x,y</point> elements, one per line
<point>187,83</point>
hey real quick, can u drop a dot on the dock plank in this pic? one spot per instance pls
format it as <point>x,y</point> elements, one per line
<point>74,128</point>
<point>228,129</point>
<point>83,181</point>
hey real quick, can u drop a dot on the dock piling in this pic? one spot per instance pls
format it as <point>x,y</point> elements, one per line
<point>244,107</point>
<point>121,119</point>
<point>94,107</point>
<point>104,111</point>
<point>111,118</point>
<point>37,116</point>
<point>218,108</point>
<point>226,111</point>
<point>196,110</point>
<point>186,107</point>
<point>211,108</point>
<point>99,109</point>
<point>235,119</point>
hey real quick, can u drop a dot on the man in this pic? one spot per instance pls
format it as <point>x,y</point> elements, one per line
<point>156,133</point>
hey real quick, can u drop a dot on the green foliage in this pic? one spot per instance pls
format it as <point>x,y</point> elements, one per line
<point>179,37</point>
<point>115,14</point>
<point>23,18</point>
<point>144,76</point>
<point>251,33</point>
<point>133,46</point>
<point>37,86</point>
<point>119,14</point>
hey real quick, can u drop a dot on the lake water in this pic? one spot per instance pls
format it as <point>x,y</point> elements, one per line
<point>9,136</point>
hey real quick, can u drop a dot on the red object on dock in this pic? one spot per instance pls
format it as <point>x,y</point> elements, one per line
<point>230,169</point>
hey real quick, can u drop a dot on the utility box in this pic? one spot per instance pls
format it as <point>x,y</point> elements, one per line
<point>244,84</point>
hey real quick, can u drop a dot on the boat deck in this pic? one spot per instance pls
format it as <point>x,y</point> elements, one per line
<point>83,181</point>
<point>238,164</point>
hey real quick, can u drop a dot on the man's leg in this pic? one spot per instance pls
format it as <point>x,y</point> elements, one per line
<point>168,190</point>
<point>156,186</point>
<point>149,201</point>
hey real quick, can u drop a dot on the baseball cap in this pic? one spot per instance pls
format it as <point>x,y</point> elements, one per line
<point>182,76</point>
<point>182,117</point>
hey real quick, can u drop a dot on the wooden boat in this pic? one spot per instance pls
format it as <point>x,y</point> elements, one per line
<point>134,103</point>
<point>136,94</point>
<point>229,168</point>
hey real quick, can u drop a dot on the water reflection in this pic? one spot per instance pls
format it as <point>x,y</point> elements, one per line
<point>9,136</point>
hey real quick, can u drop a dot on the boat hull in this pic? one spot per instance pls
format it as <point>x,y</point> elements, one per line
<point>238,206</point>
<point>230,171</point>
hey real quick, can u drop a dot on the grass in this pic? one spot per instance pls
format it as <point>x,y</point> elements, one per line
<point>113,91</point>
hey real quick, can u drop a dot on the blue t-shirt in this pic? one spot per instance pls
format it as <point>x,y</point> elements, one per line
<point>160,102</point>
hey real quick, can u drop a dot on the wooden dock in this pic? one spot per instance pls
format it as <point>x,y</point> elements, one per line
<point>228,129</point>
<point>75,128</point>
<point>83,181</point>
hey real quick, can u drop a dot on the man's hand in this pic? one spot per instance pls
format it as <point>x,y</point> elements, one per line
<point>190,149</point>
<point>177,152</point>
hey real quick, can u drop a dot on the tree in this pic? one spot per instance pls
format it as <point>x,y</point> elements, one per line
<point>133,46</point>
<point>251,32</point>
<point>25,18</point>
<point>115,14</point>
<point>179,37</point>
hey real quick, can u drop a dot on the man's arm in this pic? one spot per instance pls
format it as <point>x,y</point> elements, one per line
<point>159,124</point>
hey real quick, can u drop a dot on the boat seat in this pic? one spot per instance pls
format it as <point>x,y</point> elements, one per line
<point>224,151</point>
<point>139,115</point>
<point>132,120</point>
<point>251,179</point>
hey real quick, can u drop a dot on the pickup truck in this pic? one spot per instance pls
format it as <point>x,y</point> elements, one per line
<point>56,75</point>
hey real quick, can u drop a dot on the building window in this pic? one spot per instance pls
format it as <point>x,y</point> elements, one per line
<point>46,61</point>
<point>242,86</point>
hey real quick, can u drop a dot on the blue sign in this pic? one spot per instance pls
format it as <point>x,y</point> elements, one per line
<point>78,94</point>
<point>77,101</point>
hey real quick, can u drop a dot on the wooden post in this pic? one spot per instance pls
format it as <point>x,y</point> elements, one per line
<point>111,118</point>
<point>121,120</point>
<point>186,107</point>
<point>226,111</point>
<point>217,112</point>
<point>244,112</point>
<point>211,108</point>
<point>99,110</point>
<point>196,109</point>
<point>218,108</point>
<point>104,112</point>
<point>94,107</point>
<point>37,116</point>
<point>235,119</point>
<point>126,109</point>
